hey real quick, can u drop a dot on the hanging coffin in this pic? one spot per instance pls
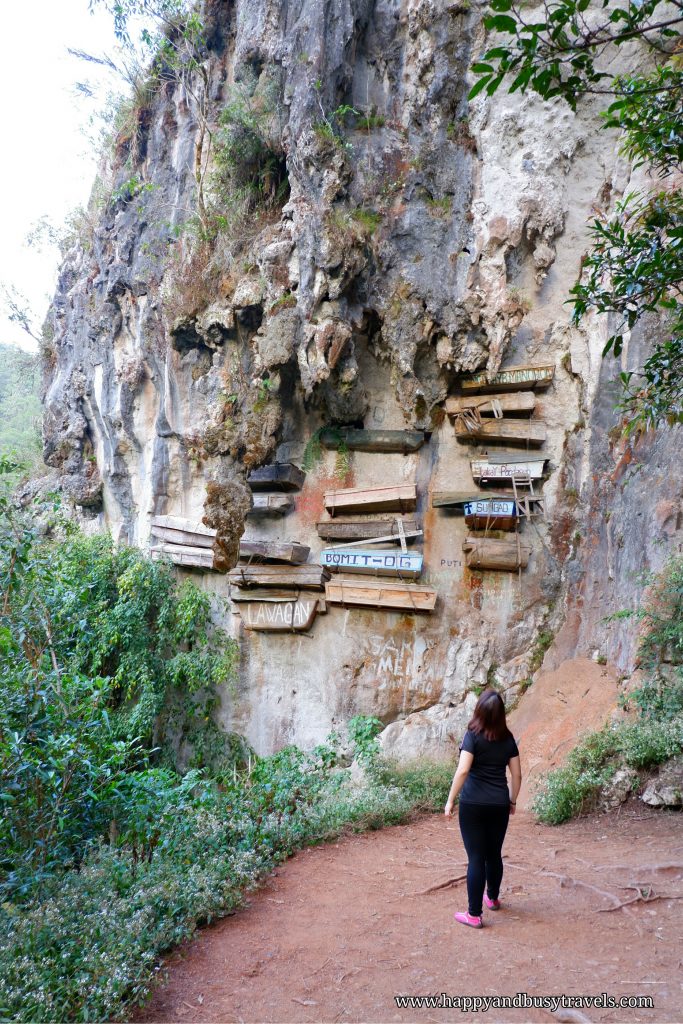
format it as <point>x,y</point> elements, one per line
<point>492,405</point>
<point>187,555</point>
<point>375,594</point>
<point>490,468</point>
<point>274,551</point>
<point>308,577</point>
<point>448,499</point>
<point>293,616</point>
<point>490,553</point>
<point>514,378</point>
<point>270,505</point>
<point>491,514</point>
<point>281,476</point>
<point>407,565</point>
<point>400,498</point>
<point>365,529</point>
<point>524,432</point>
<point>177,530</point>
<point>403,441</point>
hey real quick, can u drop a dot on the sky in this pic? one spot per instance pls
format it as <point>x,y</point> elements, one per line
<point>47,165</point>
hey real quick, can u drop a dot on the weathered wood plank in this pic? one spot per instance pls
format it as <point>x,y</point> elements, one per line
<point>309,577</point>
<point>486,469</point>
<point>280,476</point>
<point>274,551</point>
<point>194,526</point>
<point>507,402</point>
<point>183,554</point>
<point>197,540</point>
<point>407,565</point>
<point>524,432</point>
<point>270,505</point>
<point>375,594</point>
<point>513,378</point>
<point>500,457</point>
<point>264,594</point>
<point>491,553</point>
<point>373,440</point>
<point>388,539</point>
<point>364,529</point>
<point>293,616</point>
<point>399,498</point>
<point>444,499</point>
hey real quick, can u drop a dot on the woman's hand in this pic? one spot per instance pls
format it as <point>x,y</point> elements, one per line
<point>448,809</point>
<point>512,808</point>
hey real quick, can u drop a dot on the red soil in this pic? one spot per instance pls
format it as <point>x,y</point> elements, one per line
<point>341,929</point>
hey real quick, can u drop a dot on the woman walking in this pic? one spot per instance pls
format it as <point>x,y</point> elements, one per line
<point>486,803</point>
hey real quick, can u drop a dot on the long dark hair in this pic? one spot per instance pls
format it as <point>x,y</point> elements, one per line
<point>489,717</point>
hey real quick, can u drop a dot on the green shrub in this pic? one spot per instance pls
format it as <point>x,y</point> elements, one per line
<point>657,733</point>
<point>196,855</point>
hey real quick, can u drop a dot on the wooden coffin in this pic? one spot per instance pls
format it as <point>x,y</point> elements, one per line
<point>185,554</point>
<point>373,440</point>
<point>280,476</point>
<point>399,498</point>
<point>490,553</point>
<point>491,514</point>
<point>365,529</point>
<point>270,505</point>
<point>273,594</point>
<point>307,577</point>
<point>447,499</point>
<point>404,564</point>
<point>488,468</point>
<point>525,432</point>
<point>376,594</point>
<point>490,405</point>
<point>514,378</point>
<point>177,530</point>
<point>274,551</point>
<point>293,616</point>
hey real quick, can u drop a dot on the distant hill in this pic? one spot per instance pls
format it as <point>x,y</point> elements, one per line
<point>20,410</point>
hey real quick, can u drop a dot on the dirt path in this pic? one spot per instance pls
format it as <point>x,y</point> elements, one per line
<point>341,929</point>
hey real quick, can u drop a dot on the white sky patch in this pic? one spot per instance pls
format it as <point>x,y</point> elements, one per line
<point>47,166</point>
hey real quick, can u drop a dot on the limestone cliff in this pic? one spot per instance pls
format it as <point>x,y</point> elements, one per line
<point>401,242</point>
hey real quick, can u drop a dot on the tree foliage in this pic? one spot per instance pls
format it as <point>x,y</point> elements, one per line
<point>635,265</point>
<point>94,646</point>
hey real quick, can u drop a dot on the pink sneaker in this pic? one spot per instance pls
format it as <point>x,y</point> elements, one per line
<point>491,904</point>
<point>469,920</point>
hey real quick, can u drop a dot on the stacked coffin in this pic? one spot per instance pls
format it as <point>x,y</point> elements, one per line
<point>369,529</point>
<point>274,587</point>
<point>272,486</point>
<point>499,408</point>
<point>185,542</point>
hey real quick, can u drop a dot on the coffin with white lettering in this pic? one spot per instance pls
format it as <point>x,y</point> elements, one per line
<point>295,616</point>
<point>490,513</point>
<point>487,468</point>
<point>514,378</point>
<point>404,564</point>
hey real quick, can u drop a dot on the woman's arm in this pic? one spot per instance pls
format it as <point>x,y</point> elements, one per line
<point>461,773</point>
<point>515,767</point>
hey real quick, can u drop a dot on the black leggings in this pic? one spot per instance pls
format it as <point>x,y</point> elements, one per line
<point>483,828</point>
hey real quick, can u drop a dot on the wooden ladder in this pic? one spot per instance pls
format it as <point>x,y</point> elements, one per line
<point>522,500</point>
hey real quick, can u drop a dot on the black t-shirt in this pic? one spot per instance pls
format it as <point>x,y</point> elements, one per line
<point>486,782</point>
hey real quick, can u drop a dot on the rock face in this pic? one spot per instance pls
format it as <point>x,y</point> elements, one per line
<point>666,788</point>
<point>385,252</point>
